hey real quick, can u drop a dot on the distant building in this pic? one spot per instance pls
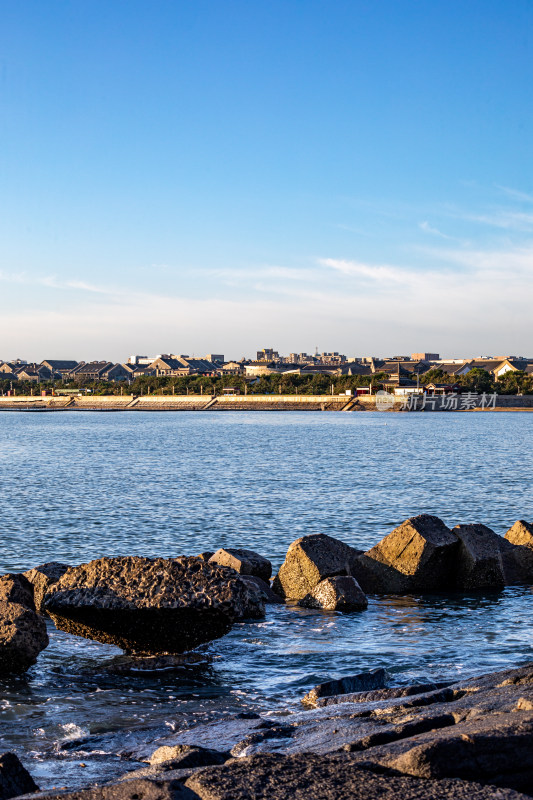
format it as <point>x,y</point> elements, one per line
<point>425,357</point>
<point>58,367</point>
<point>216,358</point>
<point>267,355</point>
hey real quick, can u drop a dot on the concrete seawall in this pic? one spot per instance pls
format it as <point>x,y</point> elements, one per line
<point>289,402</point>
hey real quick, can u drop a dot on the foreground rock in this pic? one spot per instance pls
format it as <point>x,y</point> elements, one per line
<point>265,592</point>
<point>477,729</point>
<point>43,577</point>
<point>363,682</point>
<point>151,606</point>
<point>135,789</point>
<point>418,556</point>
<point>479,560</point>
<point>275,777</point>
<point>340,593</point>
<point>14,778</point>
<point>309,560</point>
<point>246,562</point>
<point>22,631</point>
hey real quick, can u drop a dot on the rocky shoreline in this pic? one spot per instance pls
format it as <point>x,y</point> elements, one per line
<point>356,736</point>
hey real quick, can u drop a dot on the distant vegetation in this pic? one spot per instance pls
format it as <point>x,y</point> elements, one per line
<point>477,380</point>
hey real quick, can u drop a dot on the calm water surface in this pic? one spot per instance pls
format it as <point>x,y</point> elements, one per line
<point>76,486</point>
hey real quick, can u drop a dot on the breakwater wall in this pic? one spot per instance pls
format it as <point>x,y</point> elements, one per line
<point>257,402</point>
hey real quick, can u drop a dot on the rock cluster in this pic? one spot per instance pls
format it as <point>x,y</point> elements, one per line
<point>151,606</point>
<point>420,555</point>
<point>468,740</point>
<point>22,631</point>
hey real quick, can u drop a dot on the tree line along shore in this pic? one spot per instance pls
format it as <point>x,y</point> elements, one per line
<point>476,380</point>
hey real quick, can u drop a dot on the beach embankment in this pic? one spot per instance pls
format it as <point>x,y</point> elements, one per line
<point>258,402</point>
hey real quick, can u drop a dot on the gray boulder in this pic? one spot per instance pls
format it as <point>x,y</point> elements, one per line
<point>479,558</point>
<point>309,560</point>
<point>362,682</point>
<point>151,606</point>
<point>14,778</point>
<point>43,577</point>
<point>340,593</point>
<point>418,556</point>
<point>246,562</point>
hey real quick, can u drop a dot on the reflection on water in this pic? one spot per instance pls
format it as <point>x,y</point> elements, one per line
<point>78,486</point>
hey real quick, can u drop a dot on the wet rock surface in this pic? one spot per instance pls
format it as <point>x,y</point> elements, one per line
<point>309,560</point>
<point>43,577</point>
<point>150,606</point>
<point>246,562</point>
<point>340,593</point>
<point>14,778</point>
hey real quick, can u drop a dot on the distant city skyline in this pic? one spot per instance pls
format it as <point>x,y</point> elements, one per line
<point>224,176</point>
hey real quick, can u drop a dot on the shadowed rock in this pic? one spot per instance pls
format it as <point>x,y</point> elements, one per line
<point>140,789</point>
<point>340,593</point>
<point>151,606</point>
<point>14,778</point>
<point>276,777</point>
<point>43,577</point>
<point>418,556</point>
<point>15,588</point>
<point>22,631</point>
<point>246,562</point>
<point>261,586</point>
<point>182,756</point>
<point>479,559</point>
<point>363,682</point>
<point>309,560</point>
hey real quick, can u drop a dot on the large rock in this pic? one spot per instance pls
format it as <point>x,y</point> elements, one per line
<point>22,631</point>
<point>151,606</point>
<point>22,637</point>
<point>418,556</point>
<point>14,778</point>
<point>15,588</point>
<point>246,562</point>
<point>43,577</point>
<point>340,593</point>
<point>479,558</point>
<point>309,560</point>
<point>335,777</point>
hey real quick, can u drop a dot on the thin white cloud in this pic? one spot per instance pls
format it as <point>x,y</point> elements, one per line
<point>516,194</point>
<point>427,228</point>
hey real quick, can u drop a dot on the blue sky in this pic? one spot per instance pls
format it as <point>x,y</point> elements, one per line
<point>221,176</point>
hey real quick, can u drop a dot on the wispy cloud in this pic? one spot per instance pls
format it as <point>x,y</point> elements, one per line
<point>516,194</point>
<point>427,228</point>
